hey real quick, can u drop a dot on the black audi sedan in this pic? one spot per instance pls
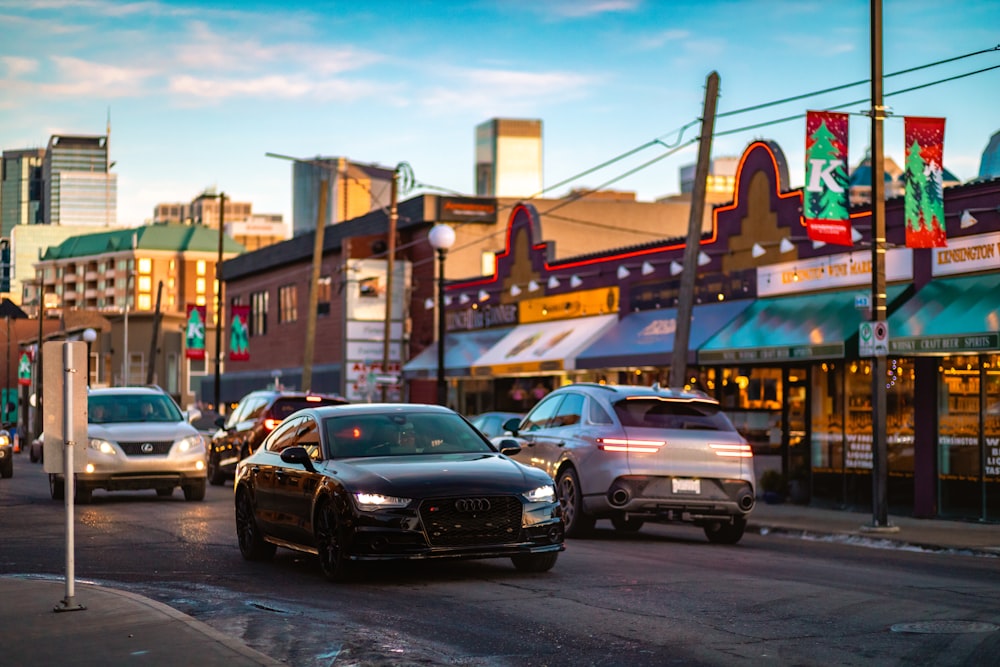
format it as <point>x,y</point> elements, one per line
<point>372,482</point>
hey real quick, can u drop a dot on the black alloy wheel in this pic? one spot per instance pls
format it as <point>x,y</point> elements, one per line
<point>57,488</point>
<point>194,490</point>
<point>626,524</point>
<point>720,532</point>
<point>535,562</point>
<point>252,544</point>
<point>578,524</point>
<point>215,476</point>
<point>333,558</point>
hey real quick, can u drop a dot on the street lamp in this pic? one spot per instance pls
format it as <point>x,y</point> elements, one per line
<point>441,237</point>
<point>90,336</point>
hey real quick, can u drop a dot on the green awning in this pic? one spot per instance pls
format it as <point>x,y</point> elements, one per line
<point>792,328</point>
<point>949,316</point>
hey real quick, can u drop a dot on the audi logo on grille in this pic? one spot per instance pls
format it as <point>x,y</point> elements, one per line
<point>472,505</point>
<point>146,448</point>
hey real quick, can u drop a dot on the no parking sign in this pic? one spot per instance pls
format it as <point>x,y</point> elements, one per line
<point>873,339</point>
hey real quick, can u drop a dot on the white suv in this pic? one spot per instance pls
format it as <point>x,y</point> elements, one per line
<point>138,438</point>
<point>635,454</point>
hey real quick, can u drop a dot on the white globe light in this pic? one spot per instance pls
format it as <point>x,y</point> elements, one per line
<point>441,236</point>
<point>89,335</point>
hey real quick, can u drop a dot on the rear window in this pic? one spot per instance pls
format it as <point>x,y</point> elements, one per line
<point>286,406</point>
<point>655,413</point>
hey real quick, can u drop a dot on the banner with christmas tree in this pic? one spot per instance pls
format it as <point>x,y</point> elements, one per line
<point>923,201</point>
<point>194,332</point>
<point>24,370</point>
<point>824,199</point>
<point>239,334</point>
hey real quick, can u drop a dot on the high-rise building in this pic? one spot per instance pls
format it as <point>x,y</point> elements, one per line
<point>250,230</point>
<point>20,188</point>
<point>354,189</point>
<point>989,166</point>
<point>79,187</point>
<point>509,158</point>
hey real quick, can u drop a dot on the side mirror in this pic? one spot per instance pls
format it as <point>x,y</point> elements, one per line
<point>220,421</point>
<point>298,455</point>
<point>509,447</point>
<point>193,415</point>
<point>512,425</point>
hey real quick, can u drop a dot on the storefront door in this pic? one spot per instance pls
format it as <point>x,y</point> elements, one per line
<point>795,439</point>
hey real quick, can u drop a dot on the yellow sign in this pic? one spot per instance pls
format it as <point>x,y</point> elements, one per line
<point>585,303</point>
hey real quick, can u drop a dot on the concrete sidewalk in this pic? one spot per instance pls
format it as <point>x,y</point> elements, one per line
<point>120,628</point>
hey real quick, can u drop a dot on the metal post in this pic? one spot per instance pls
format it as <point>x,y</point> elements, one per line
<point>880,510</point>
<point>442,385</point>
<point>390,269</point>
<point>317,269</point>
<point>69,485</point>
<point>218,301</point>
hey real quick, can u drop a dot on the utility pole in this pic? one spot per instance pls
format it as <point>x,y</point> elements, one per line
<point>685,300</point>
<point>880,457</point>
<point>219,310</point>
<point>317,265</point>
<point>157,319</point>
<point>390,270</point>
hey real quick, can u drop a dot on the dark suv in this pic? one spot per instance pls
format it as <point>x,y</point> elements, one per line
<point>635,454</point>
<point>255,416</point>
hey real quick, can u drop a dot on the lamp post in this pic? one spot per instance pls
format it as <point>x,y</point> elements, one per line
<point>441,237</point>
<point>218,302</point>
<point>90,336</point>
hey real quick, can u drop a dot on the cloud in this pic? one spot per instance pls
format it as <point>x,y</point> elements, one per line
<point>193,90</point>
<point>660,39</point>
<point>479,89</point>
<point>16,66</point>
<point>81,77</point>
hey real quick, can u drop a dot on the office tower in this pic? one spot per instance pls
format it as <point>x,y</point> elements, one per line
<point>20,188</point>
<point>509,158</point>
<point>79,188</point>
<point>354,189</point>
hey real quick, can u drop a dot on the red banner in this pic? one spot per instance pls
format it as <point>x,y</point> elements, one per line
<point>825,204</point>
<point>923,172</point>
<point>239,333</point>
<point>194,332</point>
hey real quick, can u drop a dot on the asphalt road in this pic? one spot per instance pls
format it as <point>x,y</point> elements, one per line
<point>658,597</point>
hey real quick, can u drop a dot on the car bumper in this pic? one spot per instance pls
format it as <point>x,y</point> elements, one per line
<point>654,499</point>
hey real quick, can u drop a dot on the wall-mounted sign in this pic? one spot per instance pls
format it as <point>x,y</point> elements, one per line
<point>967,254</point>
<point>584,303</point>
<point>484,316</point>
<point>466,209</point>
<point>840,270</point>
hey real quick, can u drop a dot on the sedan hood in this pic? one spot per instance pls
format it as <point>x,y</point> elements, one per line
<point>425,475</point>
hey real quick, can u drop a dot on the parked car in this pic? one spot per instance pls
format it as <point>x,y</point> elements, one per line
<point>138,438</point>
<point>392,481</point>
<point>491,423</point>
<point>254,417</point>
<point>6,455</point>
<point>635,454</point>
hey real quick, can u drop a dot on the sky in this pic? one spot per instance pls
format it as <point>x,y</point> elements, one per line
<point>199,92</point>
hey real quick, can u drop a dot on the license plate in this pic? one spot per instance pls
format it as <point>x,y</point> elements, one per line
<point>686,485</point>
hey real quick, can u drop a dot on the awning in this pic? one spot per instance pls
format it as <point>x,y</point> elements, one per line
<point>791,328</point>
<point>542,346</point>
<point>461,349</point>
<point>647,338</point>
<point>949,316</point>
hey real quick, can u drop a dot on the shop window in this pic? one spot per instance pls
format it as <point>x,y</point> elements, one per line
<point>258,313</point>
<point>323,292</point>
<point>959,454</point>
<point>288,303</point>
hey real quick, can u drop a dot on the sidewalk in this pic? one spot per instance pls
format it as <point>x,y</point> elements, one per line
<point>118,627</point>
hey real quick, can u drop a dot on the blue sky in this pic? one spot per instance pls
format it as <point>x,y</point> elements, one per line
<point>199,92</point>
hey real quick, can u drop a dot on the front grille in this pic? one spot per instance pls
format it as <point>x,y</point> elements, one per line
<point>448,526</point>
<point>136,448</point>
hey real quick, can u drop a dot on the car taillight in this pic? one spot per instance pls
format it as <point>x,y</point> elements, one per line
<point>270,423</point>
<point>313,399</point>
<point>736,451</point>
<point>629,445</point>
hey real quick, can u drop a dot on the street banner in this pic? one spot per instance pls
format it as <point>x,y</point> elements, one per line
<point>239,333</point>
<point>24,370</point>
<point>194,332</point>
<point>923,200</point>
<point>825,204</point>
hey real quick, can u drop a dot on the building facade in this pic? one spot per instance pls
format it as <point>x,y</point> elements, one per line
<point>509,158</point>
<point>353,189</point>
<point>79,186</point>
<point>20,189</point>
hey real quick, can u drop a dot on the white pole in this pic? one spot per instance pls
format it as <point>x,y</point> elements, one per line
<point>69,484</point>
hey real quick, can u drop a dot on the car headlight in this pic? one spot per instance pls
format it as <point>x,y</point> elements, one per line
<point>4,439</point>
<point>369,502</point>
<point>103,446</point>
<point>543,494</point>
<point>191,442</point>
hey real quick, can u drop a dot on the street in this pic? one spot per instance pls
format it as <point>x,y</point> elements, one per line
<point>661,596</point>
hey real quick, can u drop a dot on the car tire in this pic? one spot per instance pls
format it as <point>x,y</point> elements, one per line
<point>8,469</point>
<point>330,543</point>
<point>215,476</point>
<point>32,456</point>
<point>57,488</point>
<point>626,524</point>
<point>164,492</point>
<point>535,562</point>
<point>251,540</point>
<point>578,524</point>
<point>726,533</point>
<point>195,490</point>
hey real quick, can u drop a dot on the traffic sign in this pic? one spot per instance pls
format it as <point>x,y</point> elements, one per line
<point>873,339</point>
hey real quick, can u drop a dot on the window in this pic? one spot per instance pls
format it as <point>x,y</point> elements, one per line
<point>145,265</point>
<point>288,303</point>
<point>323,292</point>
<point>200,267</point>
<point>284,436</point>
<point>258,313</point>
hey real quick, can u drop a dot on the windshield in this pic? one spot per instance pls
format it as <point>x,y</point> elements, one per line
<point>656,413</point>
<point>400,434</point>
<point>123,408</point>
